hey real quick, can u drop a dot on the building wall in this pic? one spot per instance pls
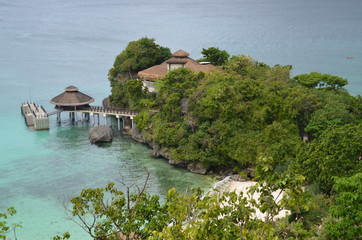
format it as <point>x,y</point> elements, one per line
<point>150,85</point>
<point>173,66</point>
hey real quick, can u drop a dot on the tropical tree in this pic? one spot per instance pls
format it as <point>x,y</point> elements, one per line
<point>336,153</point>
<point>336,108</point>
<point>241,64</point>
<point>315,79</point>
<point>214,55</point>
<point>109,213</point>
<point>138,55</point>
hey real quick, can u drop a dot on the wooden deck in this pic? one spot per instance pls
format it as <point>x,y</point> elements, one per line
<point>35,116</point>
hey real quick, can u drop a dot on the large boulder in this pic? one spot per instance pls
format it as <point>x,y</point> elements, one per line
<point>197,167</point>
<point>100,134</point>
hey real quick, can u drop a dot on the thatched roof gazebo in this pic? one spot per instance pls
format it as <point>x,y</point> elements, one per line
<point>71,99</point>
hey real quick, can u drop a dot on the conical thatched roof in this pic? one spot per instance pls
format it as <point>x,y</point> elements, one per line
<point>71,97</point>
<point>180,53</point>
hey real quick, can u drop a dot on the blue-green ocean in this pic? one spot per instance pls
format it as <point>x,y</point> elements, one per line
<point>47,45</point>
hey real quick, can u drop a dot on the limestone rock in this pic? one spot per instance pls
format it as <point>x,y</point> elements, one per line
<point>181,164</point>
<point>138,136</point>
<point>197,168</point>
<point>100,134</point>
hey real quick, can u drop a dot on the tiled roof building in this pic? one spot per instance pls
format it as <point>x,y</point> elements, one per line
<point>179,59</point>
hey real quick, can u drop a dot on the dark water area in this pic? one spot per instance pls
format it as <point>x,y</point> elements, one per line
<point>46,46</point>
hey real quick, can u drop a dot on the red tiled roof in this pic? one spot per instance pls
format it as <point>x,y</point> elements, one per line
<point>179,57</point>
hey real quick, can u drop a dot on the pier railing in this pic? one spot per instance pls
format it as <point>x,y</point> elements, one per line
<point>101,110</point>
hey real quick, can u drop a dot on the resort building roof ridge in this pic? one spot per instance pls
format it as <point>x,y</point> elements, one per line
<point>179,59</point>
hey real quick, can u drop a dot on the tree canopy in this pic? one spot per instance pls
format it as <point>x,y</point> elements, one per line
<point>346,214</point>
<point>214,56</point>
<point>315,79</point>
<point>138,55</point>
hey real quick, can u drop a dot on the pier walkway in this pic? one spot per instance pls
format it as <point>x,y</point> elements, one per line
<point>94,112</point>
<point>75,102</point>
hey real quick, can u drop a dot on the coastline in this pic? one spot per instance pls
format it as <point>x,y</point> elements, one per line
<point>157,151</point>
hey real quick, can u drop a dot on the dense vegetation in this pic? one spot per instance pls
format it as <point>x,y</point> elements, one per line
<point>244,111</point>
<point>230,117</point>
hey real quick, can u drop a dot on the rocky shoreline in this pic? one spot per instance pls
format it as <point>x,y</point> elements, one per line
<point>194,167</point>
<point>159,151</point>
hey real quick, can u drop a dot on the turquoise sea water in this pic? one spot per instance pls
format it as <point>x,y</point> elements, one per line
<point>48,45</point>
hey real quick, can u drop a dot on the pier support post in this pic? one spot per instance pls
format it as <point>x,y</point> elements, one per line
<point>90,121</point>
<point>87,117</point>
<point>98,119</point>
<point>75,113</point>
<point>105,119</point>
<point>58,117</point>
<point>118,122</point>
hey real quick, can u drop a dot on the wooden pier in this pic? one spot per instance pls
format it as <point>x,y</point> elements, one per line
<point>74,102</point>
<point>35,116</point>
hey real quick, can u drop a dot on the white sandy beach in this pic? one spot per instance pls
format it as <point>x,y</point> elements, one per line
<point>241,187</point>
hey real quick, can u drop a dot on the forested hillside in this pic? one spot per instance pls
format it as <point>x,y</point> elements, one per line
<point>244,110</point>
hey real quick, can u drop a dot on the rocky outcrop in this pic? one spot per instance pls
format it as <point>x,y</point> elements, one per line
<point>199,168</point>
<point>101,134</point>
<point>157,151</point>
<point>136,135</point>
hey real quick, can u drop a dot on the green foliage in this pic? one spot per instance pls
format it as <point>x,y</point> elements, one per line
<point>190,215</point>
<point>196,217</point>
<point>337,108</point>
<point>176,86</point>
<point>241,64</point>
<point>138,55</point>
<point>337,152</point>
<point>321,80</point>
<point>229,215</point>
<point>346,213</point>
<point>5,226</point>
<point>230,118</point>
<point>289,195</point>
<point>131,95</point>
<point>142,120</point>
<point>65,236</point>
<point>214,55</point>
<point>108,213</point>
